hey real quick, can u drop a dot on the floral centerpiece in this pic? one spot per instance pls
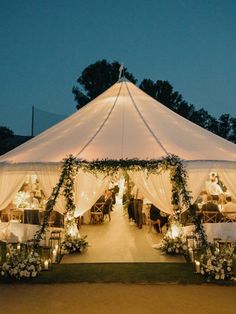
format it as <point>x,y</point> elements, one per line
<point>218,263</point>
<point>18,265</point>
<point>74,244</point>
<point>174,241</point>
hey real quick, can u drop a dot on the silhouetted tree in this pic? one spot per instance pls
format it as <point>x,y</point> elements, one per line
<point>5,133</point>
<point>95,79</point>
<point>99,76</point>
<point>224,125</point>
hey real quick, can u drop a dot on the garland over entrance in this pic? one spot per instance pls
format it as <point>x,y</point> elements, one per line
<point>178,177</point>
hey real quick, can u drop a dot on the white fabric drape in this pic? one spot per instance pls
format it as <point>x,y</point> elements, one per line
<point>197,176</point>
<point>228,176</point>
<point>10,183</point>
<point>155,187</point>
<point>88,189</point>
<point>48,179</point>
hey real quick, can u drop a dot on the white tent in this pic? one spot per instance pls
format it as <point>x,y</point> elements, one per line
<point>123,122</point>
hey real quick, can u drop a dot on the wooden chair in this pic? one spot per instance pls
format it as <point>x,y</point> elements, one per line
<point>229,216</point>
<point>210,216</point>
<point>97,213</point>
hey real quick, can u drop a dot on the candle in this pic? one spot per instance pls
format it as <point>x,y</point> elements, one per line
<point>191,254</point>
<point>46,264</point>
<point>54,255</point>
<point>197,266</point>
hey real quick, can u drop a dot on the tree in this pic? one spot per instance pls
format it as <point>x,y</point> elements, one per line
<point>99,76</point>
<point>163,92</point>
<point>95,79</point>
<point>5,133</point>
<point>224,125</point>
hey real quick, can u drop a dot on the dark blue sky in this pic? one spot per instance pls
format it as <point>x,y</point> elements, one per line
<point>46,44</point>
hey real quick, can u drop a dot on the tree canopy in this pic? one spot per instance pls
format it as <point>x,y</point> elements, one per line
<point>95,79</point>
<point>99,76</point>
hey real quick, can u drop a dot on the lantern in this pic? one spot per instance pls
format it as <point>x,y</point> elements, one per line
<point>196,259</point>
<point>45,254</point>
<point>55,244</point>
<point>192,242</point>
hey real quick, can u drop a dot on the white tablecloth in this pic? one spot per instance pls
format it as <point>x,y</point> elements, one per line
<point>15,231</point>
<point>223,230</point>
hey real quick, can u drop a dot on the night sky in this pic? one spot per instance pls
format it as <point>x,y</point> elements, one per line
<point>46,44</point>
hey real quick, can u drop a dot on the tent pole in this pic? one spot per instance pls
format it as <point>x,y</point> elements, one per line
<point>32,122</point>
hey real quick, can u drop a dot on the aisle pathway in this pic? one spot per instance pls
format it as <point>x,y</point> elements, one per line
<point>117,298</point>
<point>118,241</point>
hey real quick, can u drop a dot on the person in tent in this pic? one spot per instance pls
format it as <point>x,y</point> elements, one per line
<point>32,201</point>
<point>155,218</point>
<point>138,211</point>
<point>210,205</point>
<point>131,211</point>
<point>108,204</point>
<point>214,188</point>
<point>229,209</point>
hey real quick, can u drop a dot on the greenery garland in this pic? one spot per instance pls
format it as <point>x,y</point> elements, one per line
<point>71,165</point>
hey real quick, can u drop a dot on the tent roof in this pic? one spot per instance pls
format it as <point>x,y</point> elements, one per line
<point>123,122</point>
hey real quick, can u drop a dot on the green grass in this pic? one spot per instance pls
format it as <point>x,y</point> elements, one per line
<point>116,272</point>
<point>147,273</point>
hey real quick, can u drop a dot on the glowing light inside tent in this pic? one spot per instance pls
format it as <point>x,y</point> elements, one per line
<point>174,230</point>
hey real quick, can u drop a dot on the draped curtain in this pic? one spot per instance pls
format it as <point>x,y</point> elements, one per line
<point>88,189</point>
<point>155,187</point>
<point>10,183</point>
<point>48,179</point>
<point>228,176</point>
<point>197,176</point>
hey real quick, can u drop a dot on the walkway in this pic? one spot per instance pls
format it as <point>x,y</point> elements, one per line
<point>118,241</point>
<point>116,298</point>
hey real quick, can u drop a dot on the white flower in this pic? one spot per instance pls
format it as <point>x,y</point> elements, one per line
<point>217,277</point>
<point>169,249</point>
<point>222,277</point>
<point>34,274</point>
<point>228,268</point>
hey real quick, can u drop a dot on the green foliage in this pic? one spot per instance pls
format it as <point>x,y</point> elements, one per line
<point>95,79</point>
<point>99,76</point>
<point>5,133</point>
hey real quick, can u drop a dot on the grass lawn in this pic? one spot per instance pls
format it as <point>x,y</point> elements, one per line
<point>148,273</point>
<point>117,272</point>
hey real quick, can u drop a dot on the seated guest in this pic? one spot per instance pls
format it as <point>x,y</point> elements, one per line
<point>202,199</point>
<point>210,205</point>
<point>155,218</point>
<point>221,201</point>
<point>230,208</point>
<point>32,201</point>
<point>214,189</point>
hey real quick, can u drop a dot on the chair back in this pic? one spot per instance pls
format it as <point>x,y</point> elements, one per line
<point>210,216</point>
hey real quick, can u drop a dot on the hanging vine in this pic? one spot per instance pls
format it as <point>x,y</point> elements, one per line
<point>178,177</point>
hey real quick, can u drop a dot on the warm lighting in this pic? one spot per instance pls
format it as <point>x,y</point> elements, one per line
<point>18,246</point>
<point>46,265</point>
<point>73,231</point>
<point>54,256</point>
<point>191,254</point>
<point>197,267</point>
<point>174,230</point>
